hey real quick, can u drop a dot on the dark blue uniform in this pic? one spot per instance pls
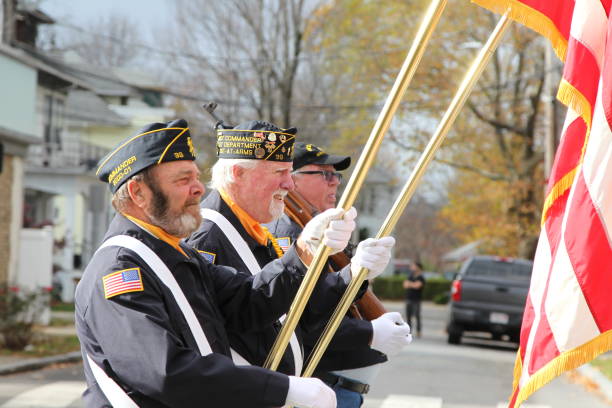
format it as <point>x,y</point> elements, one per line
<point>255,345</point>
<point>143,342</point>
<point>350,346</point>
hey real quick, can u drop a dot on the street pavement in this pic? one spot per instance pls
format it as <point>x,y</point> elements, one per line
<point>430,373</point>
<point>427,374</point>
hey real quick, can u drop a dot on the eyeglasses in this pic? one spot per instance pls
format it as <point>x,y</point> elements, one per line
<point>328,175</point>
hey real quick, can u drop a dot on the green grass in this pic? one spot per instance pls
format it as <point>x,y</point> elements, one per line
<point>58,322</point>
<point>603,364</point>
<point>45,345</point>
<point>62,307</point>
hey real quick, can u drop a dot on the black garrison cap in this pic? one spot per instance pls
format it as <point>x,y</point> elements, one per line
<point>310,154</point>
<point>154,144</point>
<point>256,140</point>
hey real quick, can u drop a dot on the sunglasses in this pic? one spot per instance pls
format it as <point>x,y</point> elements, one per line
<point>328,175</point>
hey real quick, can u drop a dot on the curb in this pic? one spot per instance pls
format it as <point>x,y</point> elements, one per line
<point>37,363</point>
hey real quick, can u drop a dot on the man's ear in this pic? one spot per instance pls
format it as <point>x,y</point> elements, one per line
<point>237,172</point>
<point>136,192</point>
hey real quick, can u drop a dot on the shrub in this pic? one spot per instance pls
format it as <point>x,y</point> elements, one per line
<point>441,298</point>
<point>390,288</point>
<point>19,310</point>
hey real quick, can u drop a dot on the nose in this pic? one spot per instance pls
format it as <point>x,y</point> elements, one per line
<point>287,183</point>
<point>198,189</point>
<point>335,180</point>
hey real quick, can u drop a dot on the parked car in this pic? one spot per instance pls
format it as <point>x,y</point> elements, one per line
<point>488,295</point>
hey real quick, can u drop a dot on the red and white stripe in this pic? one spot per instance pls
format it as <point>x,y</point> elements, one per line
<point>568,304</point>
<point>568,314</point>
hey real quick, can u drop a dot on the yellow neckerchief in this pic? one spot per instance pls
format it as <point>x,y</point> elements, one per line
<point>159,233</point>
<point>252,227</point>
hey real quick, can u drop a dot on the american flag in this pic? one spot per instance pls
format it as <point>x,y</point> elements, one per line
<point>284,243</point>
<point>568,315</point>
<point>127,280</point>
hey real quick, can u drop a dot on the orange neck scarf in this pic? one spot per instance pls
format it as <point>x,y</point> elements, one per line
<point>158,233</point>
<point>252,227</point>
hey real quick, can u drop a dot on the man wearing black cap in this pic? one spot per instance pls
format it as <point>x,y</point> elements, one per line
<point>358,347</point>
<point>251,178</point>
<point>152,313</point>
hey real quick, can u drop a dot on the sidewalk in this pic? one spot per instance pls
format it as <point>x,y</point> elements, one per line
<point>16,364</point>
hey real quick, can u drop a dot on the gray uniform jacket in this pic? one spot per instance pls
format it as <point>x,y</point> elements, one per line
<point>141,338</point>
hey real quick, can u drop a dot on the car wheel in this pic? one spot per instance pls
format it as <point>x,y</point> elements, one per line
<point>454,334</point>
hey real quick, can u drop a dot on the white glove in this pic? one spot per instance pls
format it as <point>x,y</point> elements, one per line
<point>373,254</point>
<point>310,393</point>
<point>390,333</point>
<point>331,227</point>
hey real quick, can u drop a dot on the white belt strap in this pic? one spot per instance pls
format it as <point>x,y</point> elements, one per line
<point>115,394</point>
<point>163,273</point>
<point>234,237</point>
<point>244,252</point>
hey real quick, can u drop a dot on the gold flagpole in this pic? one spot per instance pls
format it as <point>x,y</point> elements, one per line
<point>430,20</point>
<point>470,79</point>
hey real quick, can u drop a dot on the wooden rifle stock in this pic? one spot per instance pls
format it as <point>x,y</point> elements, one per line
<point>369,307</point>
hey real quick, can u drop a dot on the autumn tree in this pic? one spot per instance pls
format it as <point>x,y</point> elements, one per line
<point>423,235</point>
<point>494,148</point>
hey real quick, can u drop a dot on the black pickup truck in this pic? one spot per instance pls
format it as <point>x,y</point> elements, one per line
<point>488,295</point>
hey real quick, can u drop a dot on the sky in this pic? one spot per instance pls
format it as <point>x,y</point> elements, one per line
<point>80,12</point>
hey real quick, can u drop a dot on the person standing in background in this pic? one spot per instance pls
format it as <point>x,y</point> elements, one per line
<point>414,285</point>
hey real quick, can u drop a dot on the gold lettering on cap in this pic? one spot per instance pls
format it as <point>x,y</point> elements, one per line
<point>120,167</point>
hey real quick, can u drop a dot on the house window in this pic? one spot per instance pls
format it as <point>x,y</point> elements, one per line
<point>53,122</point>
<point>58,123</point>
<point>47,117</point>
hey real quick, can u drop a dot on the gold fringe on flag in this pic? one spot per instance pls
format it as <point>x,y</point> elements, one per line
<point>518,369</point>
<point>565,361</point>
<point>558,190</point>
<point>531,18</point>
<point>575,100</point>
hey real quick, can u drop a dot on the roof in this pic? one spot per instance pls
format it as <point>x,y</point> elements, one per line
<point>87,106</point>
<point>96,79</point>
<point>41,63</point>
<point>138,79</point>
<point>12,135</point>
<point>36,14</point>
<point>101,82</point>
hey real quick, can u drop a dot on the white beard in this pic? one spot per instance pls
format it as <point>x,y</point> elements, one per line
<point>182,226</point>
<point>277,207</point>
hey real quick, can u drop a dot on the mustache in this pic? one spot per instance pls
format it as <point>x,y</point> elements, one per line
<point>195,201</point>
<point>281,192</point>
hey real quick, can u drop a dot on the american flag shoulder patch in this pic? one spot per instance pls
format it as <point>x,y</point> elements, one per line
<point>124,281</point>
<point>209,256</point>
<point>284,243</point>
